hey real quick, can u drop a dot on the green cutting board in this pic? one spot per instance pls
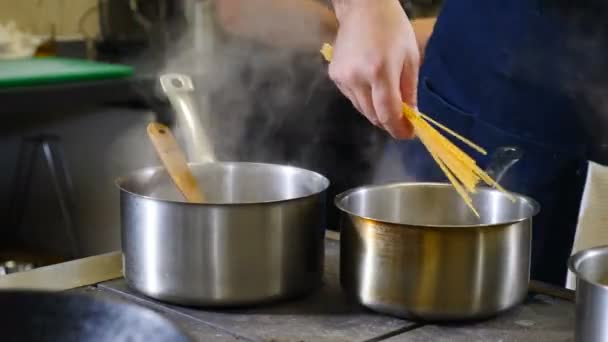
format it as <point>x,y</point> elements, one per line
<point>53,70</point>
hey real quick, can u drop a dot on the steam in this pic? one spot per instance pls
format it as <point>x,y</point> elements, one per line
<point>574,55</point>
<point>586,79</point>
<point>265,104</point>
<point>257,96</point>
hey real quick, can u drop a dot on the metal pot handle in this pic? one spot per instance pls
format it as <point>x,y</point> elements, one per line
<point>179,89</point>
<point>502,160</point>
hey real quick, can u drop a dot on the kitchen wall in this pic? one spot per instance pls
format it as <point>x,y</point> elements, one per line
<point>70,17</point>
<point>101,143</point>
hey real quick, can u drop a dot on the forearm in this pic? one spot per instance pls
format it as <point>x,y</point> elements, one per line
<point>298,24</point>
<point>423,27</point>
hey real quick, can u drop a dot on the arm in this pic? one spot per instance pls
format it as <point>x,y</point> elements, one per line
<point>370,31</point>
<point>298,24</point>
<point>319,23</point>
<point>376,60</point>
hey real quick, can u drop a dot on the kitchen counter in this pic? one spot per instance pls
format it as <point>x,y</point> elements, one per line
<point>328,315</point>
<point>69,95</point>
<point>135,90</point>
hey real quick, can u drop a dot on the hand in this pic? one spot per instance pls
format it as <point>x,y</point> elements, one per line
<point>376,60</point>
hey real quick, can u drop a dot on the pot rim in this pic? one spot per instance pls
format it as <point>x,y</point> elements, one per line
<point>533,203</point>
<point>324,180</point>
<point>577,258</point>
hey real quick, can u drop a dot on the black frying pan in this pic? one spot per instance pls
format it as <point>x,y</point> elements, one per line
<point>44,316</point>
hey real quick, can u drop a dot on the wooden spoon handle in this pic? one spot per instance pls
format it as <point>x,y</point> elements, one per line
<point>175,162</point>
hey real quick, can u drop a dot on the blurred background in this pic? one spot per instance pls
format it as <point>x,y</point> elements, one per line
<point>78,84</point>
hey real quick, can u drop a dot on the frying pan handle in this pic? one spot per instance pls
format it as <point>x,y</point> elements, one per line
<point>179,90</point>
<point>502,160</point>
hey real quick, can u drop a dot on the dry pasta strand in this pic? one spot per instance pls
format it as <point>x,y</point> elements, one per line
<point>458,166</point>
<point>460,169</point>
<point>456,135</point>
<point>327,52</point>
<point>455,183</point>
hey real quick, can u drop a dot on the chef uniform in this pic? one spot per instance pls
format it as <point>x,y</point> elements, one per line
<point>504,74</point>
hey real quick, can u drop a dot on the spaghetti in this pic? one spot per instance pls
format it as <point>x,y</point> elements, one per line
<point>460,169</point>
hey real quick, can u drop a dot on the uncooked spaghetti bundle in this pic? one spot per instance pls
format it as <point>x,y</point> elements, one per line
<point>460,169</point>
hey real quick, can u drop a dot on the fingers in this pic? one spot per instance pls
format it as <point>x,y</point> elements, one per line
<point>364,97</point>
<point>378,93</point>
<point>409,84</point>
<point>349,95</point>
<point>387,101</point>
<point>359,93</point>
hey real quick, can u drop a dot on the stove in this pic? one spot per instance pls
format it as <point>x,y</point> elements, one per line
<point>325,315</point>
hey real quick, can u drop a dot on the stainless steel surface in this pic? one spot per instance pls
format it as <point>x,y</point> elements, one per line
<point>329,316</point>
<point>179,90</point>
<point>258,236</point>
<point>67,275</point>
<point>415,250</point>
<point>591,269</point>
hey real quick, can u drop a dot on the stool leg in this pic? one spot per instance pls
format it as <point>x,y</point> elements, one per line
<point>21,186</point>
<point>62,183</point>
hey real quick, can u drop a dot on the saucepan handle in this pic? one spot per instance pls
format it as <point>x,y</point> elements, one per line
<point>501,160</point>
<point>179,89</point>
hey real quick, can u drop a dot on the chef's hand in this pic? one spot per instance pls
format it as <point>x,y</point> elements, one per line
<point>376,60</point>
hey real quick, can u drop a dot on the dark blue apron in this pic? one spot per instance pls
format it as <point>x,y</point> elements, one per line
<point>495,71</point>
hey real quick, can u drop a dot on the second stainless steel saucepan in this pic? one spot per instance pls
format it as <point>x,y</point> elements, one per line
<point>591,269</point>
<point>257,237</point>
<point>415,250</point>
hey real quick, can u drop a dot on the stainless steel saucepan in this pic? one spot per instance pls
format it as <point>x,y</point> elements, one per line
<point>415,250</point>
<point>591,269</point>
<point>257,237</point>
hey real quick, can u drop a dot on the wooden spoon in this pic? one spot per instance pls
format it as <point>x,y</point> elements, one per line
<point>175,162</point>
